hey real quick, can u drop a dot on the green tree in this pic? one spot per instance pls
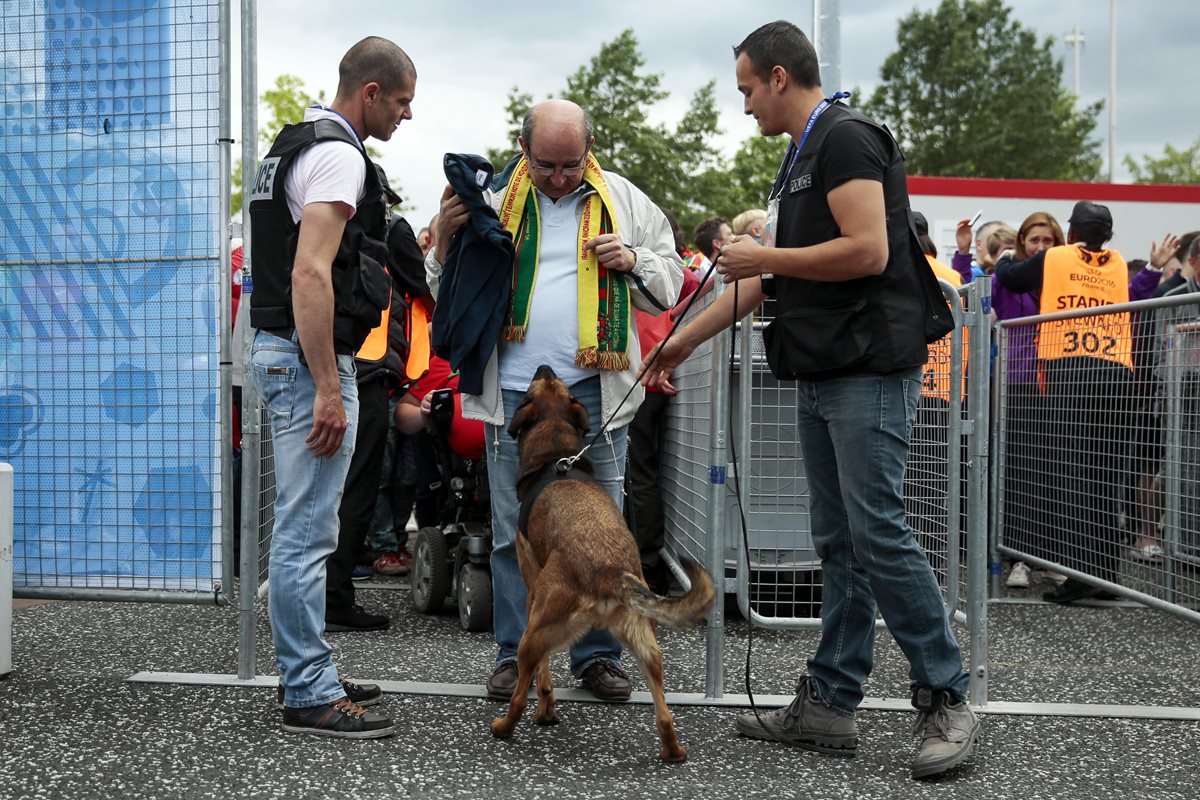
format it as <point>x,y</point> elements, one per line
<point>1175,166</point>
<point>672,165</point>
<point>282,104</point>
<point>970,92</point>
<point>750,174</point>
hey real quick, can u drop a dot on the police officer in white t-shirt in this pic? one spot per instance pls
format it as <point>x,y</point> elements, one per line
<point>319,221</point>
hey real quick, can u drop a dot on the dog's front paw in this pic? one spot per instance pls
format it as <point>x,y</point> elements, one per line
<point>673,755</point>
<point>546,718</point>
<point>501,728</point>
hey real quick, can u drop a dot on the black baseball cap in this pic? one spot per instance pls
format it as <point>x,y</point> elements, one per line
<point>921,223</point>
<point>1091,215</point>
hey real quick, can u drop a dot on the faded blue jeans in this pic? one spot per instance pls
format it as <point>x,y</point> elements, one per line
<point>508,587</point>
<point>854,435</point>
<point>308,491</point>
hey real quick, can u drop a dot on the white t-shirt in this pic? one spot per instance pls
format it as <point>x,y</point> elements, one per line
<point>552,336</point>
<point>326,172</point>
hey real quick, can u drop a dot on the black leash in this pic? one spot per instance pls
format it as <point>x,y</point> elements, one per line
<point>569,461</point>
<point>566,463</point>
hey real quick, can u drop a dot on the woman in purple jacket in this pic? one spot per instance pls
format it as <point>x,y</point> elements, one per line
<point>1026,461</point>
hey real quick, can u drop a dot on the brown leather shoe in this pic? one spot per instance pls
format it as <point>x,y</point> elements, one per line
<point>504,679</point>
<point>607,681</point>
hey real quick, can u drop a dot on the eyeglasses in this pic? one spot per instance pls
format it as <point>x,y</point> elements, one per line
<point>566,170</point>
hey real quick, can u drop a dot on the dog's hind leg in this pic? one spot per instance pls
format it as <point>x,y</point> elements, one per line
<point>503,727</point>
<point>637,634</point>
<point>547,708</point>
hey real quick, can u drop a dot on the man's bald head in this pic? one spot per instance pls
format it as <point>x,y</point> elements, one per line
<point>556,137</point>
<point>556,118</point>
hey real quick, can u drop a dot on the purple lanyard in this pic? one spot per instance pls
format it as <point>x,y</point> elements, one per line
<point>351,124</point>
<point>789,158</point>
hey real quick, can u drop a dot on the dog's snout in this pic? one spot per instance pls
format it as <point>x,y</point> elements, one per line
<point>544,373</point>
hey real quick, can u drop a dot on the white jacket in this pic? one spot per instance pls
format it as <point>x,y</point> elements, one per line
<point>654,287</point>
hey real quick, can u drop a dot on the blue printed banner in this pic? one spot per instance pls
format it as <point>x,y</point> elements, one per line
<point>108,292</point>
<point>107,65</point>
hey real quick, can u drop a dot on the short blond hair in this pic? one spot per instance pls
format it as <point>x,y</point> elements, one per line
<point>1001,238</point>
<point>744,221</point>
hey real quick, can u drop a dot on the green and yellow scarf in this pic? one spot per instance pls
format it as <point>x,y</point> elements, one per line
<point>603,296</point>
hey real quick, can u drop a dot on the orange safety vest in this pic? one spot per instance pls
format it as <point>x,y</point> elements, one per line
<point>417,330</point>
<point>376,344</point>
<point>418,341</point>
<point>1074,277</point>
<point>935,378</point>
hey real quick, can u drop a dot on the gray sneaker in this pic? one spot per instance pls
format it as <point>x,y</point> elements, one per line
<point>806,723</point>
<point>948,730</point>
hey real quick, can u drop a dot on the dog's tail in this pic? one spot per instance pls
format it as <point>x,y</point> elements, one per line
<point>685,611</point>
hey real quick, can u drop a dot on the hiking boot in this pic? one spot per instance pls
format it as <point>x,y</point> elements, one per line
<point>504,679</point>
<point>607,681</point>
<point>361,694</point>
<point>341,718</point>
<point>807,723</point>
<point>948,730</point>
<point>1018,576</point>
<point>359,619</point>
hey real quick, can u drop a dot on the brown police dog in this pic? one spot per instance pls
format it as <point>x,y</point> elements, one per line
<point>581,564</point>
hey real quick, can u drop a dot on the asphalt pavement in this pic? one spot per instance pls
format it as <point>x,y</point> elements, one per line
<point>72,724</point>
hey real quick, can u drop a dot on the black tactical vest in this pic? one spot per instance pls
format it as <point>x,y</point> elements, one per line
<point>361,285</point>
<point>870,325</point>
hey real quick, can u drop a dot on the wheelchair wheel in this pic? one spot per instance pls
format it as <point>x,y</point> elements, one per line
<point>474,598</point>
<point>430,576</point>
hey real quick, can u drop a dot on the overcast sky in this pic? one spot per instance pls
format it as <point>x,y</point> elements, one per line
<point>469,55</point>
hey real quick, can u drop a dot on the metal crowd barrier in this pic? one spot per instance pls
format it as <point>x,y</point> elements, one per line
<point>1098,451</point>
<point>731,448</point>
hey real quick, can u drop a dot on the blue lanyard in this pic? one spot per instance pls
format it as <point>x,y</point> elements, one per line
<point>348,122</point>
<point>789,158</point>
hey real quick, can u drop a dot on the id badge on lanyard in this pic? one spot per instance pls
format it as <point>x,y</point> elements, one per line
<point>785,169</point>
<point>768,237</point>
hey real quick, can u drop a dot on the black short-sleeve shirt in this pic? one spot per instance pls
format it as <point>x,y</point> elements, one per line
<point>854,151</point>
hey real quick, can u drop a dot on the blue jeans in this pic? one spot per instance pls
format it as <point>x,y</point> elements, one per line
<point>308,491</point>
<point>854,434</point>
<point>508,587</point>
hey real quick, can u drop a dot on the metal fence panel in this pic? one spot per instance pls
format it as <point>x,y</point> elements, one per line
<point>111,302</point>
<point>1099,448</point>
<point>687,449</point>
<point>779,578</point>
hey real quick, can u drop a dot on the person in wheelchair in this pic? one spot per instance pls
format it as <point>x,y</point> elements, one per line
<point>450,558</point>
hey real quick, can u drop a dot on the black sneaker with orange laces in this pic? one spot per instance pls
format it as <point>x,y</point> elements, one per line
<point>341,718</point>
<point>361,694</point>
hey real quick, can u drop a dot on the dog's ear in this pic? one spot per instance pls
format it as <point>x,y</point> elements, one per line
<point>579,415</point>
<point>522,417</point>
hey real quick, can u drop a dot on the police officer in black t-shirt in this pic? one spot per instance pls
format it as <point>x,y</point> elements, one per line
<point>856,307</point>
